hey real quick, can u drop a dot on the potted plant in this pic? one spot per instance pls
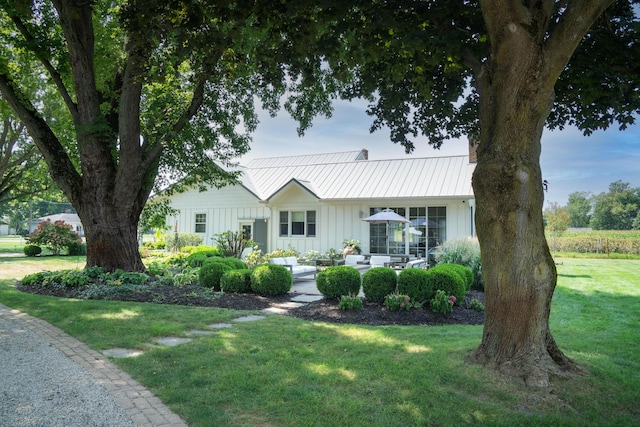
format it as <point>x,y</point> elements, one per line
<point>351,247</point>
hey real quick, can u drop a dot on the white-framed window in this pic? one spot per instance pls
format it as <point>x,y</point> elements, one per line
<point>201,223</point>
<point>298,223</point>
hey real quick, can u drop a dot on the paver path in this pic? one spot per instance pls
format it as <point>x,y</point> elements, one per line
<point>139,404</point>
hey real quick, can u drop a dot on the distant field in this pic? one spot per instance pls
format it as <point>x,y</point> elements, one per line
<point>604,234</point>
<point>599,244</point>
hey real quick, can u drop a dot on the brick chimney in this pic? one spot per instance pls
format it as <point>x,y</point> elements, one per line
<point>473,146</point>
<point>363,155</point>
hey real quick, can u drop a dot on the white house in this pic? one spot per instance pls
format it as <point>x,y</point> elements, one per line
<point>70,218</point>
<point>314,202</point>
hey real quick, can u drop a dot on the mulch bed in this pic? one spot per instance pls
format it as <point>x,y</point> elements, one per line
<point>325,310</point>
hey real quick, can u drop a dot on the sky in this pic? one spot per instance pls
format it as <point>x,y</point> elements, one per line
<point>570,161</point>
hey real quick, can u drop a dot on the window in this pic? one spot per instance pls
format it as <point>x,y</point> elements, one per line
<point>437,226</point>
<point>387,238</point>
<point>201,223</point>
<point>418,231</point>
<point>311,223</point>
<point>298,223</point>
<point>284,223</point>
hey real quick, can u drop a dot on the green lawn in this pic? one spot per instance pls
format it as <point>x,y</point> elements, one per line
<point>287,372</point>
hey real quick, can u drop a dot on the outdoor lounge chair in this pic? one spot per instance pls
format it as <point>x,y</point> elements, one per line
<point>356,261</point>
<point>379,260</point>
<point>297,270</point>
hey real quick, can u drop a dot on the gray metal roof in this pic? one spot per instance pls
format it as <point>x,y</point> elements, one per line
<point>309,159</point>
<point>333,177</point>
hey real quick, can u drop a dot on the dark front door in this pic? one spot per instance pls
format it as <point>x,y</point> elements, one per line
<point>260,234</point>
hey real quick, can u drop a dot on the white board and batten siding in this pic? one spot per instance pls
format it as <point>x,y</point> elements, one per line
<point>225,208</point>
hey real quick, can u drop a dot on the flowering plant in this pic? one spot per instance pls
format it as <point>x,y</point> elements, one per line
<point>442,303</point>
<point>397,302</point>
<point>54,235</point>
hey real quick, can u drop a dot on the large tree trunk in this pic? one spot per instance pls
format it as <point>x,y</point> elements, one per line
<point>519,273</point>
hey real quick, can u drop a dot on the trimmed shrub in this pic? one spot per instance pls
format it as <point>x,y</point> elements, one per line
<point>32,250</point>
<point>211,272</point>
<point>464,272</point>
<point>236,281</point>
<point>235,263</point>
<point>77,249</point>
<point>271,279</point>
<point>209,250</point>
<point>379,282</point>
<point>442,278</point>
<point>414,282</point>
<point>337,281</point>
<point>196,259</point>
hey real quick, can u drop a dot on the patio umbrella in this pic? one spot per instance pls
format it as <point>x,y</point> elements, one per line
<point>385,216</point>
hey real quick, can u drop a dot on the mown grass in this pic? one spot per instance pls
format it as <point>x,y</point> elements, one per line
<point>287,372</point>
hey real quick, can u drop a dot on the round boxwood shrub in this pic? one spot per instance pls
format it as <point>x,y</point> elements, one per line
<point>464,272</point>
<point>338,280</point>
<point>32,250</point>
<point>443,278</point>
<point>211,272</point>
<point>271,279</point>
<point>77,249</point>
<point>235,263</point>
<point>196,259</point>
<point>414,282</point>
<point>379,282</point>
<point>236,281</point>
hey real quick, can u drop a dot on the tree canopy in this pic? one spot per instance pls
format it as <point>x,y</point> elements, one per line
<point>616,209</point>
<point>152,86</point>
<point>134,94</point>
<point>579,207</point>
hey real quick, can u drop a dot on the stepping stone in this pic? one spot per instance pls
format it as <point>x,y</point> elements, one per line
<point>249,318</point>
<point>274,310</point>
<point>219,325</point>
<point>307,298</point>
<point>122,353</point>
<point>290,304</point>
<point>199,332</point>
<point>172,341</point>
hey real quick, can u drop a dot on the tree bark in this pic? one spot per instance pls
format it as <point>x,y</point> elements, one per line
<point>516,95</point>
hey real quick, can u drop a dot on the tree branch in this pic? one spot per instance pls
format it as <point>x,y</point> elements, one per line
<point>153,152</point>
<point>39,53</point>
<point>565,37</point>
<point>60,165</point>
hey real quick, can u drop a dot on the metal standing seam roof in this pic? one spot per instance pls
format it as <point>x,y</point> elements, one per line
<point>333,177</point>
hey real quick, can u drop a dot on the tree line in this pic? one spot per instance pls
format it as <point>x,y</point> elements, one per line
<point>616,209</point>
